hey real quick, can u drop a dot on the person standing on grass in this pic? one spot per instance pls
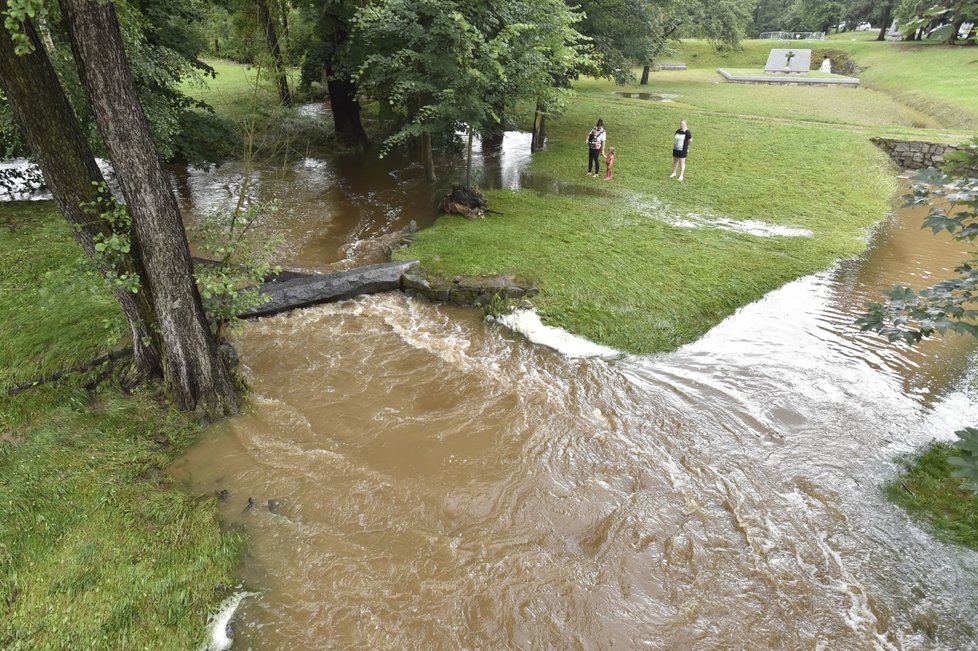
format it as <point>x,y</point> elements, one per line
<point>680,148</point>
<point>595,147</point>
<point>609,162</point>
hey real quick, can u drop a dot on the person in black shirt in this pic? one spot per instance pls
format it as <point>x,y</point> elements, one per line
<point>680,147</point>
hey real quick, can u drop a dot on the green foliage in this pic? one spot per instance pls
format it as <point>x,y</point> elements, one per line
<point>98,549</point>
<point>947,306</point>
<point>163,40</point>
<point>950,305</point>
<point>243,256</point>
<point>17,13</point>
<point>447,63</point>
<point>114,248</point>
<point>966,465</point>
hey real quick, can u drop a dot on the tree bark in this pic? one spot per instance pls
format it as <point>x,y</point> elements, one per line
<point>539,129</point>
<point>645,75</point>
<point>194,374</point>
<point>55,137</point>
<point>345,108</point>
<point>885,19</point>
<point>275,49</point>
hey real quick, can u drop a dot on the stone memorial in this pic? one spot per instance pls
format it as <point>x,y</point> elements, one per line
<point>788,61</point>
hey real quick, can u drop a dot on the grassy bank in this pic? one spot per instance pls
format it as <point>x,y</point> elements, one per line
<point>610,258</point>
<point>927,491</point>
<point>97,549</point>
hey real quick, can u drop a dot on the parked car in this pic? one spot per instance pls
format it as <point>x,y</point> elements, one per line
<point>864,27</point>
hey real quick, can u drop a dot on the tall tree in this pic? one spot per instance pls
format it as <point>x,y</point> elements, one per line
<point>333,58</point>
<point>194,373</point>
<point>458,66</point>
<point>623,32</point>
<point>267,23</point>
<point>163,39</point>
<point>59,146</point>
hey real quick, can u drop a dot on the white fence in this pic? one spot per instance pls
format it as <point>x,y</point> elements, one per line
<point>794,36</point>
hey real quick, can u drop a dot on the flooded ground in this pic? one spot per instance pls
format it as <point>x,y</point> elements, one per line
<point>419,478</point>
<point>327,202</point>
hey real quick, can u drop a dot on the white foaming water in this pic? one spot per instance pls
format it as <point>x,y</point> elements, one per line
<point>24,189</point>
<point>528,324</point>
<point>661,211</point>
<point>217,624</point>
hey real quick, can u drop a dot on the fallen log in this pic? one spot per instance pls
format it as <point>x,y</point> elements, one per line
<point>324,288</point>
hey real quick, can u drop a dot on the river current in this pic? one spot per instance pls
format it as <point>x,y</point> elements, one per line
<point>419,477</point>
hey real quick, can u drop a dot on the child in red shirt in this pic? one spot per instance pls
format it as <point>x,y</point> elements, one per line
<point>609,162</point>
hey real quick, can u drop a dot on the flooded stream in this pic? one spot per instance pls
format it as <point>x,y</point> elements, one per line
<point>423,479</point>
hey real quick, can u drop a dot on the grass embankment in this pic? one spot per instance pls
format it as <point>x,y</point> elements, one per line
<point>611,265</point>
<point>97,549</point>
<point>927,491</point>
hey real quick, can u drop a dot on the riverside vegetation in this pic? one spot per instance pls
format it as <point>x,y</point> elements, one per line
<point>112,555</point>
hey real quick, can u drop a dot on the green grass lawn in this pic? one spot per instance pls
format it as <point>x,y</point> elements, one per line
<point>932,79</point>
<point>97,549</point>
<point>613,268</point>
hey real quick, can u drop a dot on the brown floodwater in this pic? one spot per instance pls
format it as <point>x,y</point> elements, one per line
<point>422,478</point>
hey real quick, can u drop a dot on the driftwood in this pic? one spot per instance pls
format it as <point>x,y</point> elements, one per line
<point>464,201</point>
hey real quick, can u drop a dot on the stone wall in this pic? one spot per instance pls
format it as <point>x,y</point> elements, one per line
<point>914,154</point>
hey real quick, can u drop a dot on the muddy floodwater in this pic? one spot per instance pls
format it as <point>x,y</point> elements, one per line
<point>419,478</point>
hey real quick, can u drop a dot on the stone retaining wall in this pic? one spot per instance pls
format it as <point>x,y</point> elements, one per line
<point>914,154</point>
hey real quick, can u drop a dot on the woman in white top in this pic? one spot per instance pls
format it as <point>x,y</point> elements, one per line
<point>680,147</point>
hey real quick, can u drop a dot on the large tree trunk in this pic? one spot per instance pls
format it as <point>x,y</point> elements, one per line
<point>275,49</point>
<point>195,375</point>
<point>345,108</point>
<point>60,149</point>
<point>645,75</point>
<point>885,19</point>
